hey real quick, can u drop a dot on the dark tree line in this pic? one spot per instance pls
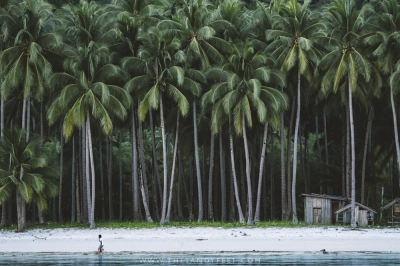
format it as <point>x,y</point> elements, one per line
<point>195,110</point>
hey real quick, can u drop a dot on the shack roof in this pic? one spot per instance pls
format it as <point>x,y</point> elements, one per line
<point>391,204</point>
<point>348,206</point>
<point>332,197</point>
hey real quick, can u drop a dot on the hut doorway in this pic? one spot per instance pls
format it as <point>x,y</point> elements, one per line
<point>317,215</point>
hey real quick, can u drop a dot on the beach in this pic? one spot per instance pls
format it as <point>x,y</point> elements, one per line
<point>203,239</point>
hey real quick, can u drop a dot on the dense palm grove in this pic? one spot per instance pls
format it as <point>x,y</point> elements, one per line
<point>195,110</point>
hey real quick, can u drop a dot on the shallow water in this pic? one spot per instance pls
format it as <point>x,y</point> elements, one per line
<point>281,258</point>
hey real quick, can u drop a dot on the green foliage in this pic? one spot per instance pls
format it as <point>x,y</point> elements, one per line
<point>24,169</point>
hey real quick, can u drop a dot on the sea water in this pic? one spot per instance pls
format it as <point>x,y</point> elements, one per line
<point>280,258</point>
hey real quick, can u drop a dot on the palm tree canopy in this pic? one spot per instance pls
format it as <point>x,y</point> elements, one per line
<point>157,70</point>
<point>24,169</point>
<point>28,33</point>
<point>384,38</point>
<point>242,88</point>
<point>294,36</point>
<point>347,61</point>
<point>90,81</point>
<point>196,24</point>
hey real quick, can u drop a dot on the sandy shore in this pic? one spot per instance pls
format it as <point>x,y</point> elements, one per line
<point>161,240</point>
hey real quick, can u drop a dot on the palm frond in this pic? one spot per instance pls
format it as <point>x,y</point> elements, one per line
<point>179,98</point>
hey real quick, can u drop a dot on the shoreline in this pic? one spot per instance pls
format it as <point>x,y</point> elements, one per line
<point>202,240</point>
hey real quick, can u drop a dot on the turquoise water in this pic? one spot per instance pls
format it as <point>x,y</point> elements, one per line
<point>203,259</point>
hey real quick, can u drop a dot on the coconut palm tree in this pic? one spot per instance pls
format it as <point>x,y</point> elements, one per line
<point>91,84</point>
<point>138,16</point>
<point>261,21</point>
<point>25,172</point>
<point>241,92</point>
<point>158,76</point>
<point>28,32</point>
<point>386,41</point>
<point>196,25</point>
<point>346,66</point>
<point>294,34</point>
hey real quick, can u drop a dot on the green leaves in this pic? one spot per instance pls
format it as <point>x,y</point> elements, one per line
<point>240,90</point>
<point>347,63</point>
<point>23,167</point>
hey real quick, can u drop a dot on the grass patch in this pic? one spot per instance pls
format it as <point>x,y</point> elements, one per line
<point>180,224</point>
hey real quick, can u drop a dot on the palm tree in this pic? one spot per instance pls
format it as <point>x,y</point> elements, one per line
<point>89,84</point>
<point>293,37</point>
<point>24,171</point>
<point>346,67</point>
<point>385,40</point>
<point>241,92</point>
<point>28,30</point>
<point>196,25</point>
<point>159,73</point>
<point>261,21</point>
<point>138,16</point>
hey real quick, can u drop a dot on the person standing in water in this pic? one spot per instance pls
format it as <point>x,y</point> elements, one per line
<point>101,249</point>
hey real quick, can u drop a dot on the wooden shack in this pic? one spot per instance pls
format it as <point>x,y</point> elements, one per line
<point>394,217</point>
<point>364,215</point>
<point>320,208</point>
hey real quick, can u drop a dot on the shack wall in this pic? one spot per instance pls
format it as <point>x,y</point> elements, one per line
<point>308,210</point>
<point>362,218</point>
<point>312,204</point>
<point>326,207</point>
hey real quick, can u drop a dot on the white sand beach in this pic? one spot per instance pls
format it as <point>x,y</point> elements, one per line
<point>203,239</point>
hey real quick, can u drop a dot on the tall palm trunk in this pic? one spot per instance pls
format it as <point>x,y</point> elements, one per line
<point>260,174</point>
<point>120,173</point>
<point>240,212</point>
<point>60,216</point>
<point>135,181</point>
<point>77,192</point>
<point>296,132</point>
<point>82,162</point>
<point>307,154</point>
<point>210,179</point>
<point>344,159</point>
<point>348,155</point>
<point>91,158</point>
<point>145,203</point>
<point>289,162</point>
<point>73,165</point>
<point>87,173</point>
<point>396,132</point>
<point>272,182</point>
<point>171,189</point>
<point>4,206</point>
<point>326,144</point>
<point>180,182</point>
<point>109,177</point>
<point>21,206</point>
<point>156,177</point>
<point>143,173</point>
<point>197,164</point>
<point>103,210</point>
<point>223,178</point>
<point>164,148</point>
<point>283,176</point>
<point>20,215</point>
<point>142,158</point>
<point>318,148</point>
<point>367,133</point>
<point>353,161</point>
